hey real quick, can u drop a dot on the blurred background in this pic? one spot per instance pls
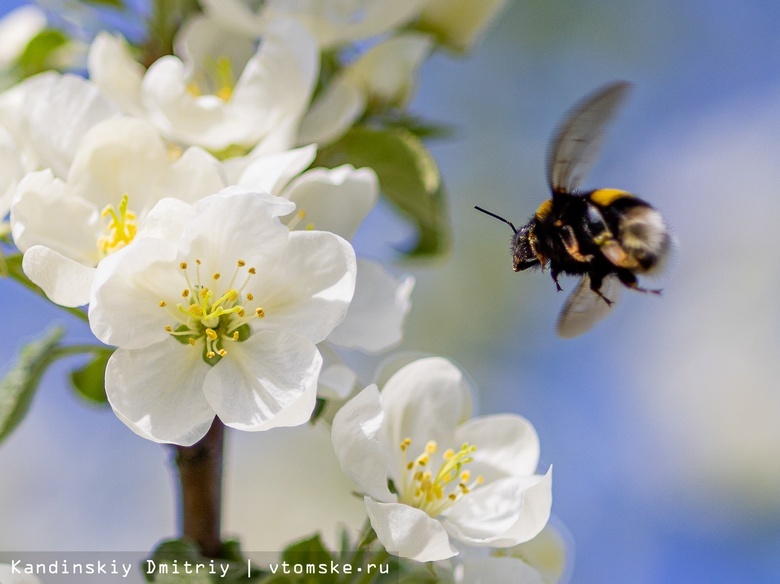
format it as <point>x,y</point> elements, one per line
<point>663,423</point>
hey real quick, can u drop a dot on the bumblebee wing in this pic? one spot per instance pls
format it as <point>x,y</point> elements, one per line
<point>584,307</point>
<point>578,141</point>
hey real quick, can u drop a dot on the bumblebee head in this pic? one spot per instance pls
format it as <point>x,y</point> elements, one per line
<point>523,254</point>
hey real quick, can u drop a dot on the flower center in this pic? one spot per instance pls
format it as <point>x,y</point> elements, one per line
<point>119,230</point>
<point>436,492</point>
<point>214,313</point>
<point>216,78</point>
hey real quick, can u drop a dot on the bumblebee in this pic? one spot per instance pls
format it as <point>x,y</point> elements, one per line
<point>605,236</point>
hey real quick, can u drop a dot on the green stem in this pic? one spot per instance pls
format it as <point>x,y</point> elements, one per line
<point>14,267</point>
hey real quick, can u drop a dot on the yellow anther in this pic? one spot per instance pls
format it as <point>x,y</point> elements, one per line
<point>191,341</point>
<point>222,352</point>
<point>216,276</point>
<point>260,312</point>
<point>162,304</point>
<point>252,271</point>
<point>241,263</point>
<point>249,297</point>
<point>431,447</point>
<point>211,334</point>
<point>183,265</point>
<point>185,293</point>
<point>211,355</point>
<point>235,335</point>
<point>168,328</point>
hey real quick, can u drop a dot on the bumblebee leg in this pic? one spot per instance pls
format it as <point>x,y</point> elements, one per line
<point>595,286</point>
<point>554,274</point>
<point>628,279</point>
<point>572,247</point>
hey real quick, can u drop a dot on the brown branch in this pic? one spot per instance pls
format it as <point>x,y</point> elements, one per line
<point>200,481</point>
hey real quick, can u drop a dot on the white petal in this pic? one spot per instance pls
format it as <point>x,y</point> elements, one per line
<point>278,82</point>
<point>424,401</point>
<point>194,176</point>
<point>124,308</point>
<point>117,157</point>
<point>44,213</point>
<point>113,69</point>
<point>175,111</point>
<point>408,532</point>
<point>504,570</point>
<point>503,513</point>
<point>201,40</point>
<point>60,114</point>
<point>236,15</point>
<point>234,225</point>
<point>166,220</point>
<point>11,170</point>
<point>356,441</point>
<point>335,200</point>
<point>158,391</point>
<point>459,23</point>
<point>534,514</point>
<point>336,382</point>
<point>310,289</point>
<point>388,70</point>
<point>507,445</point>
<point>9,575</point>
<point>271,173</point>
<point>17,28</point>
<point>375,318</point>
<point>65,282</point>
<point>333,112</point>
<point>335,22</point>
<point>267,381</point>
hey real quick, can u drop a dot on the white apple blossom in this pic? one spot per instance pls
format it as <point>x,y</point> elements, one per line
<point>216,96</point>
<point>218,312</point>
<point>120,170</point>
<point>429,474</point>
<point>337,200</point>
<point>332,22</point>
<point>459,23</point>
<point>383,76</point>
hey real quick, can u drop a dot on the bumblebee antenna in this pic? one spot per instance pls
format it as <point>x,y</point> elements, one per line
<point>497,217</point>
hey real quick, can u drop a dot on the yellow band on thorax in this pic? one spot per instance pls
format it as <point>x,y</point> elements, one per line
<point>544,210</point>
<point>605,197</point>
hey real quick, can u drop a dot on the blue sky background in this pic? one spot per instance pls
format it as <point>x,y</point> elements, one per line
<point>661,424</point>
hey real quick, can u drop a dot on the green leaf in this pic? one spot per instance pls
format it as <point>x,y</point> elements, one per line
<point>309,551</point>
<point>408,177</point>
<point>89,381</point>
<point>18,386</point>
<point>37,55</point>
<point>174,554</point>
